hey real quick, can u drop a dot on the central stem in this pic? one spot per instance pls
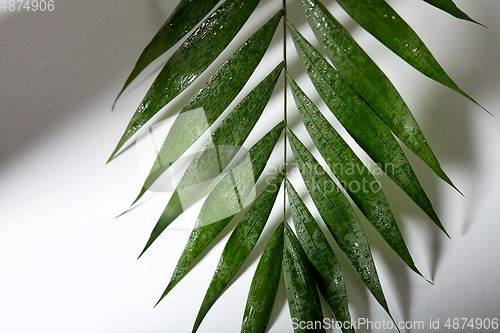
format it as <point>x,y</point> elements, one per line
<point>285,103</point>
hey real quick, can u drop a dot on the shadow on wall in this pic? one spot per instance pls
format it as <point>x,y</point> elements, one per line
<point>55,64</point>
<point>447,121</point>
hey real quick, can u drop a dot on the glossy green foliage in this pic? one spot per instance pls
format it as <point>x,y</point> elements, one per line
<point>339,217</point>
<point>302,294</point>
<point>323,259</point>
<point>362,123</point>
<point>264,285</point>
<point>217,152</point>
<point>190,60</point>
<point>366,78</point>
<point>240,244</point>
<point>185,17</point>
<point>226,199</point>
<point>356,179</point>
<point>379,19</point>
<point>359,95</point>
<point>452,9</point>
<point>211,100</point>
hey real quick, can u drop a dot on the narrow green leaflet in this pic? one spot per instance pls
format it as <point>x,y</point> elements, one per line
<point>264,285</point>
<point>228,197</point>
<point>357,180</point>
<point>185,17</point>
<point>452,9</point>
<point>217,152</point>
<point>211,100</point>
<point>190,60</point>
<point>301,291</point>
<point>380,20</point>
<point>339,217</point>
<point>240,244</point>
<point>366,78</point>
<point>323,259</point>
<point>362,123</point>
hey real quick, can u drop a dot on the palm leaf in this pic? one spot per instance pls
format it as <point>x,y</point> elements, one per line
<point>227,198</point>
<point>359,95</point>
<point>372,85</point>
<point>339,217</point>
<point>239,245</point>
<point>264,285</point>
<point>217,152</point>
<point>379,19</point>
<point>190,60</point>
<point>321,256</point>
<point>352,174</point>
<point>362,124</point>
<point>301,290</point>
<point>213,98</point>
<point>185,17</point>
<point>452,9</point>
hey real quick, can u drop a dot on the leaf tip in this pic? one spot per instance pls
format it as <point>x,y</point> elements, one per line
<point>115,152</point>
<point>479,23</point>
<point>447,180</point>
<point>470,19</point>
<point>165,293</point>
<point>463,93</point>
<point>395,325</point>
<point>482,107</point>
<point>119,94</point>
<point>444,230</point>
<point>125,212</point>
<point>144,250</point>
<point>161,298</point>
<point>111,157</point>
<point>143,190</point>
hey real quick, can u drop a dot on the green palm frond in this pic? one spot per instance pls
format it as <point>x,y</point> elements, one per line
<point>358,94</point>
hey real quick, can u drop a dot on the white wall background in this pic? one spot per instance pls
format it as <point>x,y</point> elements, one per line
<point>67,265</point>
